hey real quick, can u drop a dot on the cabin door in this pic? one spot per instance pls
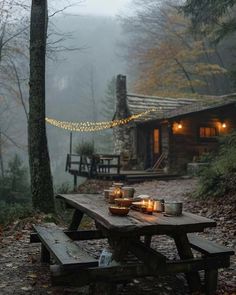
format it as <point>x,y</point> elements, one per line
<point>152,147</point>
<point>156,147</point>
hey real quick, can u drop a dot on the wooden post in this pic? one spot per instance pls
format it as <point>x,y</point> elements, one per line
<point>118,163</point>
<point>70,143</point>
<point>185,252</point>
<point>75,181</point>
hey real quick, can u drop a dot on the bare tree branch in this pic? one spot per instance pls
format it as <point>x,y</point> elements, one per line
<point>19,88</point>
<point>13,141</point>
<point>65,8</point>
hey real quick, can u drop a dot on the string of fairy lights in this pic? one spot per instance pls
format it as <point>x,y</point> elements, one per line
<point>95,126</point>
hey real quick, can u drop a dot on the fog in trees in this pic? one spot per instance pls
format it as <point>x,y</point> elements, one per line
<point>79,69</point>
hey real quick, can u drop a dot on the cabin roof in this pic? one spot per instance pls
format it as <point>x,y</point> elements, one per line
<point>167,108</point>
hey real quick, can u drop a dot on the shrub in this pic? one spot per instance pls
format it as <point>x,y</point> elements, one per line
<point>11,212</point>
<point>14,187</point>
<point>85,148</point>
<point>63,188</point>
<point>15,200</point>
<point>219,177</point>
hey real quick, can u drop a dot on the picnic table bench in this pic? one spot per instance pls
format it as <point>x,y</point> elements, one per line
<point>76,267</point>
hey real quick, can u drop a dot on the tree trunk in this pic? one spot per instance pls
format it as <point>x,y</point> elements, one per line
<point>41,179</point>
<point>186,74</point>
<point>1,158</point>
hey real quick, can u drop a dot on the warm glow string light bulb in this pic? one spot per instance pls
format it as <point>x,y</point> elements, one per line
<point>95,126</point>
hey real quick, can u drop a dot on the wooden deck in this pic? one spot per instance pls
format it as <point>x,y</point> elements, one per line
<point>138,176</point>
<point>82,167</point>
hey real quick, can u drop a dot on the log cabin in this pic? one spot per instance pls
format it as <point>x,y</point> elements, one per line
<point>178,131</point>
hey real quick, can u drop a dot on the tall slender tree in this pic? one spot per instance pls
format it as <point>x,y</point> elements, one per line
<point>41,179</point>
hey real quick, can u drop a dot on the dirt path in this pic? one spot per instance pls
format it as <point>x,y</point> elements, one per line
<point>22,273</point>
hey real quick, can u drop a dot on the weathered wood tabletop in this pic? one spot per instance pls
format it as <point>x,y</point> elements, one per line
<point>135,222</point>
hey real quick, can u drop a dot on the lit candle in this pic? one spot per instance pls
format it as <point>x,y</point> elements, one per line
<point>155,206</point>
<point>118,192</point>
<point>143,206</point>
<point>150,206</point>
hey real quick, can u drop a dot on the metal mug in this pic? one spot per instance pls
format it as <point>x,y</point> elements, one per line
<point>106,193</point>
<point>158,205</point>
<point>112,197</point>
<point>173,208</point>
<point>128,192</point>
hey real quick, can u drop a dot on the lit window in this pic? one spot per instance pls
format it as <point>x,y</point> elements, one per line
<point>208,132</point>
<point>156,139</point>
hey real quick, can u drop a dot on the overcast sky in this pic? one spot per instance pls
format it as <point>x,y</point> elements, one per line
<point>102,7</point>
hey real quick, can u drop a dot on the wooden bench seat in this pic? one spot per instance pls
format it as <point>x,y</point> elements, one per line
<point>214,251</point>
<point>207,247</point>
<point>64,250</point>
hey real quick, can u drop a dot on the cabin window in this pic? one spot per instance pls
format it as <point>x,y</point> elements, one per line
<point>156,141</point>
<point>208,132</point>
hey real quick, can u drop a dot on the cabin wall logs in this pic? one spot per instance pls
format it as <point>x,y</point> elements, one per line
<point>185,144</point>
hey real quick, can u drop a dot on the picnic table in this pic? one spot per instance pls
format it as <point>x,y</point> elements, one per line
<point>124,236</point>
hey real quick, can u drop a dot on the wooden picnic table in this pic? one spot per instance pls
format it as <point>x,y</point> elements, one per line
<point>123,234</point>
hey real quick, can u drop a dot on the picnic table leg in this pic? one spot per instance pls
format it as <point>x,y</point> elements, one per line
<point>76,219</point>
<point>211,278</point>
<point>185,252</point>
<point>147,240</point>
<point>45,254</point>
<point>120,249</point>
<point>101,288</point>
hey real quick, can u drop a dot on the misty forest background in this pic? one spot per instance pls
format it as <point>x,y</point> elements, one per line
<point>155,44</point>
<point>75,79</point>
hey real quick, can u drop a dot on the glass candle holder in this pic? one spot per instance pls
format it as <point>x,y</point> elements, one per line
<point>112,197</point>
<point>149,208</point>
<point>118,192</point>
<point>143,206</point>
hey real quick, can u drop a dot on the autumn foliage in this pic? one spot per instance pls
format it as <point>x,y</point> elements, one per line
<point>166,57</point>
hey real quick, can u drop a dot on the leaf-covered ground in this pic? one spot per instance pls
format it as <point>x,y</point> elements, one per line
<point>22,273</point>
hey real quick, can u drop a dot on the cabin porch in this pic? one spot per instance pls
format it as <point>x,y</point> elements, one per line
<point>108,167</point>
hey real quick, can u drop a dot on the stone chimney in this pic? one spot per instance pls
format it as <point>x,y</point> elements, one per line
<point>123,139</point>
<point>122,110</point>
